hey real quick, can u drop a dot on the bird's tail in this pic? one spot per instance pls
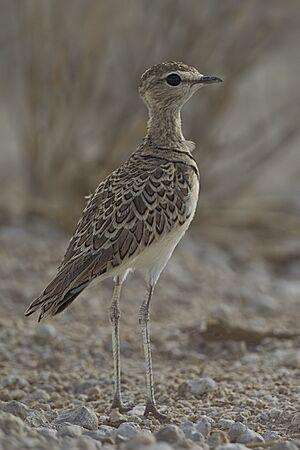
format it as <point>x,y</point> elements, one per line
<point>54,304</point>
<point>69,282</point>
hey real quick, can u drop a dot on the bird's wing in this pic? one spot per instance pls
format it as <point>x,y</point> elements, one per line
<point>130,210</point>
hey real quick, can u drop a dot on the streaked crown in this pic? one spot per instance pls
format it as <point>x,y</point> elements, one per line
<point>171,84</point>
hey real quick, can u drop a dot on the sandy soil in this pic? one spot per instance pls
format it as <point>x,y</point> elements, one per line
<point>226,309</point>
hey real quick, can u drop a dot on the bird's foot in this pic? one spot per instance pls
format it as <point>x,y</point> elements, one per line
<point>121,406</point>
<point>152,409</point>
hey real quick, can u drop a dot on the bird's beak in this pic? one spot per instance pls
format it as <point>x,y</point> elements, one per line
<point>206,79</point>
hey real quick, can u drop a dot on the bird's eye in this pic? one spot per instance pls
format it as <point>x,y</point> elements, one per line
<point>173,79</point>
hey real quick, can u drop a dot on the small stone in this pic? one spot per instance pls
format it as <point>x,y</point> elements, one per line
<point>11,425</point>
<point>40,395</point>
<point>116,418</point>
<point>295,422</point>
<point>13,381</point>
<point>126,430</point>
<point>48,433</point>
<point>191,432</point>
<point>69,430</point>
<point>271,436</point>
<point>171,434</point>
<point>160,446</point>
<point>225,424</point>
<point>217,438</point>
<point>142,439</point>
<point>236,429</point>
<point>203,425</point>
<point>45,333</point>
<point>85,386</point>
<point>16,408</point>
<point>248,436</point>
<point>99,435</point>
<point>36,419</point>
<point>201,386</point>
<point>288,358</point>
<point>137,410</point>
<point>86,443</point>
<point>94,392</point>
<point>81,416</point>
<point>230,446</point>
<point>284,445</point>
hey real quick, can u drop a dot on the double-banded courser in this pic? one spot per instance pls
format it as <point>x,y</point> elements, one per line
<point>137,215</point>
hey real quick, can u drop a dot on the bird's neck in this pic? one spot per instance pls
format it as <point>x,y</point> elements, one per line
<point>164,127</point>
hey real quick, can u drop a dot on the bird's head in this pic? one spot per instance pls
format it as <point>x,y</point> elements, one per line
<point>171,84</point>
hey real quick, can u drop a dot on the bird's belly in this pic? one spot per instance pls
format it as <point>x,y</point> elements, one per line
<point>154,258</point>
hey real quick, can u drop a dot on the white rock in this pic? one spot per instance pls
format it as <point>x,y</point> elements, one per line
<point>127,430</point>
<point>70,430</point>
<point>225,424</point>
<point>142,439</point>
<point>249,436</point>
<point>16,408</point>
<point>230,446</point>
<point>200,386</point>
<point>203,425</point>
<point>81,416</point>
<point>170,433</point>
<point>40,395</point>
<point>240,433</point>
<point>45,332</point>
<point>137,410</point>
<point>285,445</point>
<point>12,425</point>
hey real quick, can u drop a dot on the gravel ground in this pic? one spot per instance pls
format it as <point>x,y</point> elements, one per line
<point>225,332</point>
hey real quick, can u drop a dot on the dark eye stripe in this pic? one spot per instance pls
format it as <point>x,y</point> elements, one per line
<point>173,79</point>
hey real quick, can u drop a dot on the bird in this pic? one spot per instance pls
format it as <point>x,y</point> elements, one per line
<point>136,216</point>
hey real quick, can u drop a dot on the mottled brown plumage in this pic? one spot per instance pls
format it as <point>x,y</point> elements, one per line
<point>138,214</point>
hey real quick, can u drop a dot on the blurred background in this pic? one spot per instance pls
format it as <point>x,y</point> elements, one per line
<point>70,111</point>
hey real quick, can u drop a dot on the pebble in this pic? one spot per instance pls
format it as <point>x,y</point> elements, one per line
<point>284,445</point>
<point>203,425</point>
<point>84,386</point>
<point>126,430</point>
<point>295,422</point>
<point>159,446</point>
<point>201,386</point>
<point>40,395</point>
<point>11,425</point>
<point>48,433</point>
<point>14,380</point>
<point>217,438</point>
<point>142,439</point>
<point>86,443</point>
<point>45,333</point>
<point>171,434</point>
<point>99,435</point>
<point>230,446</point>
<point>190,431</point>
<point>137,410</point>
<point>82,416</point>
<point>225,424</point>
<point>69,430</point>
<point>240,433</point>
<point>288,358</point>
<point>36,419</point>
<point>271,436</point>
<point>16,408</point>
<point>116,418</point>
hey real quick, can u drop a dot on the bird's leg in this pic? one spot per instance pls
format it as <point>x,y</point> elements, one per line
<point>144,317</point>
<point>114,320</point>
